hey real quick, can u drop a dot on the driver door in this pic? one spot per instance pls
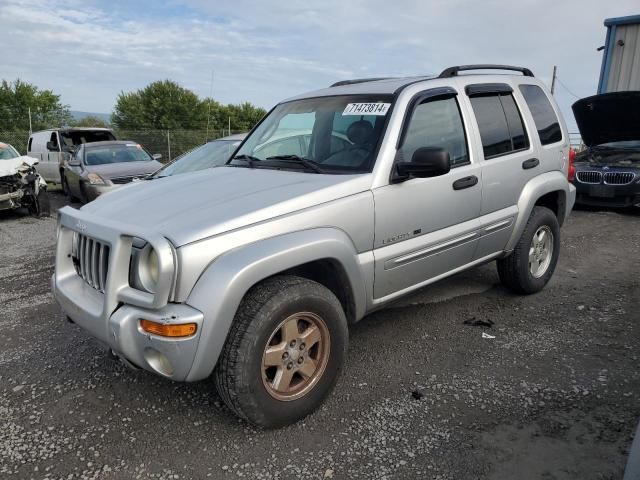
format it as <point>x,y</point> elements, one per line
<point>426,227</point>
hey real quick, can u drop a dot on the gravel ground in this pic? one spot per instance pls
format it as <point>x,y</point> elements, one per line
<point>555,395</point>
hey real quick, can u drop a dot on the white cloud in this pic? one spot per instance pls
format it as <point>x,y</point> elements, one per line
<point>264,51</point>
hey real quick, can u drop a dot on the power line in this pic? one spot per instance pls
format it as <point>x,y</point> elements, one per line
<point>567,89</point>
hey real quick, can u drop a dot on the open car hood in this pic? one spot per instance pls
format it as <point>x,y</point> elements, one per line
<point>13,165</point>
<point>610,117</point>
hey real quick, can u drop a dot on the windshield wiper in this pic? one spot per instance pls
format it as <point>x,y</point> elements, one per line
<point>251,161</point>
<point>309,164</point>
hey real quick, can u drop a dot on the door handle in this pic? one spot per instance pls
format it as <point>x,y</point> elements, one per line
<point>531,163</point>
<point>465,182</point>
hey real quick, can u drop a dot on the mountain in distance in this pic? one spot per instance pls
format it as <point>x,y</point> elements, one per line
<point>78,115</point>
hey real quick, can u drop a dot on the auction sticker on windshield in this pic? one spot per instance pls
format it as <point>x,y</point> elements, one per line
<point>366,109</point>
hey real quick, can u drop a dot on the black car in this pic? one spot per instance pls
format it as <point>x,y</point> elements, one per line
<point>608,171</point>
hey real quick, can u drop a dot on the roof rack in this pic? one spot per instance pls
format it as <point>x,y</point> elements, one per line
<point>453,71</point>
<point>357,80</point>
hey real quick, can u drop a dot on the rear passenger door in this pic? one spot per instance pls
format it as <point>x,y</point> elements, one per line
<point>510,160</point>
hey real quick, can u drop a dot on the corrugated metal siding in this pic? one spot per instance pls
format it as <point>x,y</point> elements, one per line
<point>624,73</point>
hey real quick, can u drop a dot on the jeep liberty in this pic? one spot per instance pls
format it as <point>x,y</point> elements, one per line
<point>250,273</point>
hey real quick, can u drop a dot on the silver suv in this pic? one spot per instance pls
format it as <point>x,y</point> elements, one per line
<point>369,190</point>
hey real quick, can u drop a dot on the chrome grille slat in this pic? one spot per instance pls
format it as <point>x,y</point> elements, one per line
<point>101,268</point>
<point>91,260</point>
<point>94,263</point>
<point>593,177</point>
<point>618,178</point>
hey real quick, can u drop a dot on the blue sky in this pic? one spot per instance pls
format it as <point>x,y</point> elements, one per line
<point>88,51</point>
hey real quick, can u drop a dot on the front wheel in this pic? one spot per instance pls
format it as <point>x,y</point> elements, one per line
<point>534,259</point>
<point>40,206</point>
<point>284,352</point>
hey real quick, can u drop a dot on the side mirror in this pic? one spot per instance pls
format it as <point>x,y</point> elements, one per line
<point>157,156</point>
<point>426,162</point>
<point>52,147</point>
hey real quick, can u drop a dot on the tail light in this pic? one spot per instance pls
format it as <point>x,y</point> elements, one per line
<point>571,173</point>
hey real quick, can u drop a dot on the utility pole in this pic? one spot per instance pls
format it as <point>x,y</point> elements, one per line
<point>209,110</point>
<point>553,79</point>
<point>30,129</point>
<point>169,144</point>
<point>229,125</point>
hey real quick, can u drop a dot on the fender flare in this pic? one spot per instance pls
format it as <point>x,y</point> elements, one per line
<point>537,187</point>
<point>221,287</point>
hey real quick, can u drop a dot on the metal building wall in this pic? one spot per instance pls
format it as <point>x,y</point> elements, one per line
<point>621,60</point>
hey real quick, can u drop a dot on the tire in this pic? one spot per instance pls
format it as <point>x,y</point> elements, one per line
<point>247,386</point>
<point>516,272</point>
<point>40,206</point>
<point>83,195</point>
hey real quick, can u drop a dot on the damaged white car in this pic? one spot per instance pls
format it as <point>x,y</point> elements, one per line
<point>20,184</point>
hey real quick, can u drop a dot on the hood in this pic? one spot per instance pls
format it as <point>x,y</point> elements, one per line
<point>12,165</point>
<point>124,169</point>
<point>190,207</point>
<point>610,117</point>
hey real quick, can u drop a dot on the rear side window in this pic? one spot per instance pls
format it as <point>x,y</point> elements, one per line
<point>500,123</point>
<point>545,118</point>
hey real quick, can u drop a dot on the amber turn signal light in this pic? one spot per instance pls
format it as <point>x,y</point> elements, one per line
<point>168,330</point>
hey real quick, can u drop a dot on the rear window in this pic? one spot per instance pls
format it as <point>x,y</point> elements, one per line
<point>500,123</point>
<point>78,137</point>
<point>116,154</point>
<point>544,117</point>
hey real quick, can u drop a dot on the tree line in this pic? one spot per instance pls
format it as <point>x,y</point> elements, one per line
<point>161,105</point>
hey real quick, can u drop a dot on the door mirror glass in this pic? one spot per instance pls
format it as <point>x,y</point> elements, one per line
<point>425,162</point>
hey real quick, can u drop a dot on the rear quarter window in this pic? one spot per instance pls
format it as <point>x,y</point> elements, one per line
<point>543,114</point>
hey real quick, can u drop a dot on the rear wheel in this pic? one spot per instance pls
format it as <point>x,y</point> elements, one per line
<point>534,259</point>
<point>284,351</point>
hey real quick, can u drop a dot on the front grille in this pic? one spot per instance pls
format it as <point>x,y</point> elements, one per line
<point>123,180</point>
<point>589,177</point>
<point>618,178</point>
<point>91,260</point>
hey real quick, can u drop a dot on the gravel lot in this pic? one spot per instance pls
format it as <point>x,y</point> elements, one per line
<point>555,395</point>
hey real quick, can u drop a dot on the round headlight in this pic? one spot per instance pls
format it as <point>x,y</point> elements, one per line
<point>149,269</point>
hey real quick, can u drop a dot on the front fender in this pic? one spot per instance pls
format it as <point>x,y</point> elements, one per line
<point>537,187</point>
<point>224,283</point>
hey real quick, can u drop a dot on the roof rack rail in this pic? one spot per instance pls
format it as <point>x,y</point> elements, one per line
<point>357,80</point>
<point>453,71</point>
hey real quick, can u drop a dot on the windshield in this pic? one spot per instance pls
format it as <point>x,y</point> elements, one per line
<point>131,152</point>
<point>209,155</point>
<point>78,137</point>
<point>7,152</point>
<point>337,134</point>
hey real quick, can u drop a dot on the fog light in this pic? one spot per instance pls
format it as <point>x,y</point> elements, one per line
<point>158,361</point>
<point>169,330</point>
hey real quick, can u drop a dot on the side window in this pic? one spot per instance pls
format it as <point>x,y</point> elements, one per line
<point>501,127</point>
<point>436,123</point>
<point>29,144</point>
<point>544,117</point>
<point>54,139</point>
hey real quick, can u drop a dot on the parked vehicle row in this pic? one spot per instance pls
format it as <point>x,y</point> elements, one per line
<point>251,272</point>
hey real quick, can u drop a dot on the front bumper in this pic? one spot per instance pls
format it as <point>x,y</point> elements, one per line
<point>121,331</point>
<point>605,195</point>
<point>94,191</point>
<point>93,290</point>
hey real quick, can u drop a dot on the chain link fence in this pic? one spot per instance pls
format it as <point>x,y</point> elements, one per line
<point>168,143</point>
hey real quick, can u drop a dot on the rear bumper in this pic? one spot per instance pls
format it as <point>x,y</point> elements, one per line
<point>121,331</point>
